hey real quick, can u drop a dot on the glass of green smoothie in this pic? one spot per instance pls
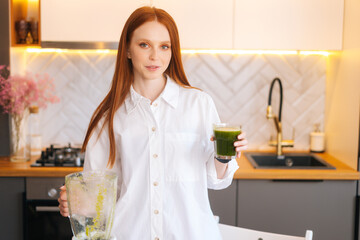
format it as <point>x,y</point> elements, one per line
<point>225,135</point>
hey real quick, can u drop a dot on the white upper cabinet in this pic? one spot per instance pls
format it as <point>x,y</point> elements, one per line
<point>205,24</point>
<point>85,21</point>
<point>202,24</point>
<point>288,24</point>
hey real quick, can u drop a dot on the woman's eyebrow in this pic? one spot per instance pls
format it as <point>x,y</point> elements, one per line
<point>147,40</point>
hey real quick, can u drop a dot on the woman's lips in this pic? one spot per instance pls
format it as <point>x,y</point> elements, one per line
<point>152,68</point>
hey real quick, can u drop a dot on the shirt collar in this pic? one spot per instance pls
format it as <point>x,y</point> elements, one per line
<point>170,94</point>
<point>132,100</point>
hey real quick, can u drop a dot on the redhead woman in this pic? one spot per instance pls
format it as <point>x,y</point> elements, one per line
<point>154,130</point>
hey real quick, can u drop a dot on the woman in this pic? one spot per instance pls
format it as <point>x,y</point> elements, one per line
<point>153,129</point>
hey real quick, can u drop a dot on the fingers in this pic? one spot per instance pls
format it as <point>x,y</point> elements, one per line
<point>63,195</point>
<point>64,209</point>
<point>63,204</point>
<point>242,144</point>
<point>212,138</point>
<point>241,136</point>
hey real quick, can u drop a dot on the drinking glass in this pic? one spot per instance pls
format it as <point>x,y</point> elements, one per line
<point>225,135</point>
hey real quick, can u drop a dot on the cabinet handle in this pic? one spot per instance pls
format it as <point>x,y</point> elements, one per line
<point>47,209</point>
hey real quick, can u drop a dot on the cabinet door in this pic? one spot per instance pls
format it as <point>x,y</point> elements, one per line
<point>85,21</point>
<point>284,24</point>
<point>223,203</point>
<point>202,24</point>
<point>327,208</point>
<point>11,207</point>
<point>4,60</point>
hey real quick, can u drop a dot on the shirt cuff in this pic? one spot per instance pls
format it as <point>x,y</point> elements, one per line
<point>214,182</point>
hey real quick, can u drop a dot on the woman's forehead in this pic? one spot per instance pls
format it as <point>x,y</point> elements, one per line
<point>153,31</point>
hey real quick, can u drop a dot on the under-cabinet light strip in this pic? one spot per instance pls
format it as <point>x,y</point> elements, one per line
<point>188,51</point>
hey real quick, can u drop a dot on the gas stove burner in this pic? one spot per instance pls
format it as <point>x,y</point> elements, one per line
<point>56,156</point>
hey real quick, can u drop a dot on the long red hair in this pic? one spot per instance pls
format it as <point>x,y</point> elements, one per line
<point>123,76</point>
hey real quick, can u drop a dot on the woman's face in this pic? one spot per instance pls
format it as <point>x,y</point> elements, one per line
<point>150,51</point>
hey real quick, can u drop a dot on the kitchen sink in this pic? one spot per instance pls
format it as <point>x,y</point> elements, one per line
<point>287,161</point>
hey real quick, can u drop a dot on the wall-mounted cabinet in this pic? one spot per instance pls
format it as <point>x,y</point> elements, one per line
<point>85,21</point>
<point>204,24</point>
<point>25,23</point>
<point>284,24</point>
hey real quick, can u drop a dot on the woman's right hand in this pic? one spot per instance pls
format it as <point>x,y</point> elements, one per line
<point>63,204</point>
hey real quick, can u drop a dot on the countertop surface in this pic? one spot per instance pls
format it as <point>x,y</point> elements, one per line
<point>342,171</point>
<point>245,171</point>
<point>23,169</point>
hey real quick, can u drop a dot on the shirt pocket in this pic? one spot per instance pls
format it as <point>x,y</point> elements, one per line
<point>183,157</point>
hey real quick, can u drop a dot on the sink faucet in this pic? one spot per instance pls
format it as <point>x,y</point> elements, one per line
<point>279,143</point>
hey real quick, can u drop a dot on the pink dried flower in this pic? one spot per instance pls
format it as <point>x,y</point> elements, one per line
<point>17,93</point>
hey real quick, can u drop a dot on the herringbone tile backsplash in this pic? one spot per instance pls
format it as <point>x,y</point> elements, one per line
<point>239,85</point>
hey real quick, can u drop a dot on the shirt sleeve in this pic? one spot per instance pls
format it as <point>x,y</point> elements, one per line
<point>97,154</point>
<point>97,150</point>
<point>211,117</point>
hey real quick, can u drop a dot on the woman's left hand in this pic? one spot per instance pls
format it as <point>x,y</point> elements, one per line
<point>241,144</point>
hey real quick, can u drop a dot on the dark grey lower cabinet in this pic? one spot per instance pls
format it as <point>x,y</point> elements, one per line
<point>11,207</point>
<point>223,203</point>
<point>292,207</point>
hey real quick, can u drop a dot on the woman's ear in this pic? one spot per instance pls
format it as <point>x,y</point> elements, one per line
<point>128,54</point>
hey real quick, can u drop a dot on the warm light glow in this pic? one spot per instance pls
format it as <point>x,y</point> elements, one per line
<point>47,50</point>
<point>60,50</point>
<point>32,9</point>
<point>243,52</point>
<point>324,53</point>
<point>189,51</point>
<point>103,50</point>
<point>235,52</point>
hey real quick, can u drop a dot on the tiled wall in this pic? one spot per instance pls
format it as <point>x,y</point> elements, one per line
<point>239,85</point>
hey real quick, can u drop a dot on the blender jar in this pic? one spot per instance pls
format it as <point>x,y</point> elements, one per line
<point>91,199</point>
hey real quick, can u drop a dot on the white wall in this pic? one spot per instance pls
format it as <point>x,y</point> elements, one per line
<point>239,85</point>
<point>343,91</point>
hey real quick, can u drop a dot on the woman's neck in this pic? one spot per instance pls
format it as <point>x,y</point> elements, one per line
<point>149,88</point>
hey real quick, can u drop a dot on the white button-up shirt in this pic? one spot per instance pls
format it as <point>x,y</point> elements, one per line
<point>165,163</point>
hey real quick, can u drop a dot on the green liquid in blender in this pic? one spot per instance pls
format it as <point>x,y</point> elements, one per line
<point>225,138</point>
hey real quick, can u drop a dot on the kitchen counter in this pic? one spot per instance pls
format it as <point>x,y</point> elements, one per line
<point>342,171</point>
<point>245,171</point>
<point>11,169</point>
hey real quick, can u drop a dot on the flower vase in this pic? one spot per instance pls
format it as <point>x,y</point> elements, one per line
<point>20,144</point>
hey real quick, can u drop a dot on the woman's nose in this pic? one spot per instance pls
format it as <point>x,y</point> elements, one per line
<point>153,54</point>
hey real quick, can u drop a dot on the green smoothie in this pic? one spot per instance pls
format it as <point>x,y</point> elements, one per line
<point>225,138</point>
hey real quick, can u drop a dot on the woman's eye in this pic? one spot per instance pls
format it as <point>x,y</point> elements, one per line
<point>165,47</point>
<point>143,45</point>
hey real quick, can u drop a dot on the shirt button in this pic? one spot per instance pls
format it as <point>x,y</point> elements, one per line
<point>153,129</point>
<point>155,155</point>
<point>156,211</point>
<point>155,104</point>
<point>155,184</point>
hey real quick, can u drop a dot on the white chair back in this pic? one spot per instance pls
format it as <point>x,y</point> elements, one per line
<point>237,233</point>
